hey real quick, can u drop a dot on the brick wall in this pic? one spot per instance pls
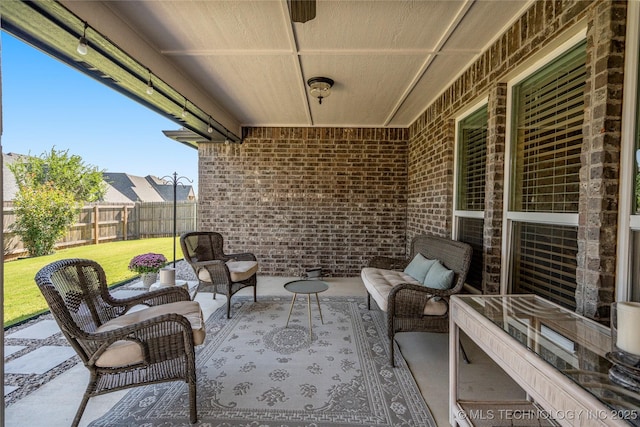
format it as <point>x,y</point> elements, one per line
<point>431,136</point>
<point>600,159</point>
<point>430,189</point>
<point>494,189</point>
<point>305,197</point>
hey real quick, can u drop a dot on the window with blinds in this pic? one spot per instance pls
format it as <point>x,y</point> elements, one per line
<point>471,171</point>
<point>544,262</point>
<point>472,158</point>
<point>548,113</point>
<point>548,117</point>
<point>470,230</point>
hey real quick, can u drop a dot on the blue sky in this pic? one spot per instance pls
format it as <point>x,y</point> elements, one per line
<point>46,103</point>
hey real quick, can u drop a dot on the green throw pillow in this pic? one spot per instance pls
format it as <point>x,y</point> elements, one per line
<point>419,266</point>
<point>438,277</point>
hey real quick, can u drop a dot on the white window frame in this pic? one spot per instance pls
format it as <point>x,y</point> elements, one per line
<point>627,221</point>
<point>457,213</point>
<point>456,151</point>
<point>509,217</point>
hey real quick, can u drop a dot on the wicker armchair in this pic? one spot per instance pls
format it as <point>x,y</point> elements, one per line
<point>126,342</point>
<point>406,302</point>
<point>225,273</point>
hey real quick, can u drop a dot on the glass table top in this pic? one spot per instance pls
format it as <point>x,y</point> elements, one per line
<point>305,286</point>
<point>574,345</point>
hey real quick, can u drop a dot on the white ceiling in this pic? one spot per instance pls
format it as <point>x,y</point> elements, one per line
<point>389,59</point>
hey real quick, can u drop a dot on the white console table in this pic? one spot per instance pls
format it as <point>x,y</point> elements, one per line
<point>555,355</point>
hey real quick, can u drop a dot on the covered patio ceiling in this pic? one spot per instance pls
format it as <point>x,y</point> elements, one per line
<point>245,63</point>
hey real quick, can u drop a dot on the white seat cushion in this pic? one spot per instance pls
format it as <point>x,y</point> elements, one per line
<point>124,352</point>
<point>379,283</point>
<point>238,270</point>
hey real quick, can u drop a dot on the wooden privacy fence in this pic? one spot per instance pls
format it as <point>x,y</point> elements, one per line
<point>107,222</point>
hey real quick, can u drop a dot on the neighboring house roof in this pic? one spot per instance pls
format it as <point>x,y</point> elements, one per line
<point>121,187</point>
<point>144,189</point>
<point>114,196</point>
<point>135,188</point>
<point>165,188</point>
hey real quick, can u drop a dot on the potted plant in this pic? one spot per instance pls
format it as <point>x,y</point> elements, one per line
<point>147,265</point>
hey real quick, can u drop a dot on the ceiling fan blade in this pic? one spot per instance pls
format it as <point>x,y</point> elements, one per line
<point>302,10</point>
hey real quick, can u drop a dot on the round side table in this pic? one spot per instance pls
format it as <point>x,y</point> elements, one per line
<point>307,287</point>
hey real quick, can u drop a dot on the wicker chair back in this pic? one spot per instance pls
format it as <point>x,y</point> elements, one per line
<point>203,246</point>
<point>76,292</point>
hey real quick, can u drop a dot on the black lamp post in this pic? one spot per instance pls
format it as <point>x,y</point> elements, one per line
<point>175,180</point>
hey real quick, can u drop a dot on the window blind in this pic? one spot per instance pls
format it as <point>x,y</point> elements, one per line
<point>470,230</point>
<point>472,137</point>
<point>544,262</point>
<point>548,118</point>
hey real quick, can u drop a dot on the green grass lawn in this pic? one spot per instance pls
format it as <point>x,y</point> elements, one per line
<point>22,298</point>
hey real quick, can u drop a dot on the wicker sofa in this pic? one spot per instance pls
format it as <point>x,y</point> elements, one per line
<point>412,305</point>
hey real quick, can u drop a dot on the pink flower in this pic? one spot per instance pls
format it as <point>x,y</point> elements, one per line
<point>147,263</point>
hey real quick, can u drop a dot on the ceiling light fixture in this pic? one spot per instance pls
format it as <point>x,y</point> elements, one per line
<point>210,128</point>
<point>226,140</point>
<point>185,113</point>
<point>149,85</point>
<point>302,10</point>
<point>320,87</point>
<point>83,43</point>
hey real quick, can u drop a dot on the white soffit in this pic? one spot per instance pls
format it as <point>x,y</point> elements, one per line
<point>476,32</point>
<point>260,87</point>
<point>208,27</point>
<point>367,90</point>
<point>437,77</point>
<point>389,59</point>
<point>376,26</point>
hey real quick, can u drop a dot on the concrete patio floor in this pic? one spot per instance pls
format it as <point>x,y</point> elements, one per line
<point>55,403</point>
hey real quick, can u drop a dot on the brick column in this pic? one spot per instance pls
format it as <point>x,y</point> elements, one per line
<point>494,188</point>
<point>600,158</point>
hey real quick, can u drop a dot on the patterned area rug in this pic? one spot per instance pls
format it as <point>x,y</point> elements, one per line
<point>254,372</point>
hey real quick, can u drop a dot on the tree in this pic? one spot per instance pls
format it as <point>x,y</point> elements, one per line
<point>51,189</point>
<point>43,214</point>
<point>68,173</point>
